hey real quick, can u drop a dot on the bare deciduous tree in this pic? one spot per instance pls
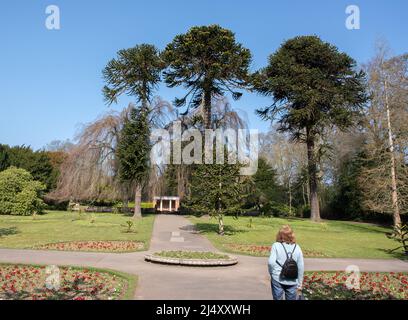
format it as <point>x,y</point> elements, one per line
<point>90,170</point>
<point>385,176</point>
<point>287,157</point>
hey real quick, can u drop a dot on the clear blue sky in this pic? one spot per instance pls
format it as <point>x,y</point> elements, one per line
<point>50,81</point>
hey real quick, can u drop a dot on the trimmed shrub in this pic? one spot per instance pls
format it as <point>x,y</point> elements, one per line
<point>20,193</point>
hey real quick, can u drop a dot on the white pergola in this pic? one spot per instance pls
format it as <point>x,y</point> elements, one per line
<point>167,204</point>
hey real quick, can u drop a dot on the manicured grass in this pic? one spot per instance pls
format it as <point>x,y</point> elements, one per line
<point>29,282</point>
<point>364,286</point>
<point>191,255</point>
<point>58,226</point>
<point>331,239</point>
<point>143,205</point>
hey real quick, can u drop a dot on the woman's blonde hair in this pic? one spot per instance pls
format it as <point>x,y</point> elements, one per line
<point>286,234</point>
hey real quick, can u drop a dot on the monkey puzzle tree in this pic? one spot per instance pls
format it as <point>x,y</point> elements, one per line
<point>207,61</point>
<point>133,151</point>
<point>135,72</point>
<point>314,86</point>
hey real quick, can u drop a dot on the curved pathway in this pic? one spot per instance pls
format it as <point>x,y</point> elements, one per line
<point>247,280</point>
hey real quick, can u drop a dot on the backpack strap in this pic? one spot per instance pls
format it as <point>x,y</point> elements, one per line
<point>287,254</point>
<point>291,254</point>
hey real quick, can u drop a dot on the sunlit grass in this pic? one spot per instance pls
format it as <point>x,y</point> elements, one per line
<point>58,226</point>
<point>340,239</point>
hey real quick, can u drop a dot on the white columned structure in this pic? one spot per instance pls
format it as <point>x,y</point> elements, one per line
<point>164,207</point>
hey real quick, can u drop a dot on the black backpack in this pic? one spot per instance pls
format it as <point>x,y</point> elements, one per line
<point>290,267</point>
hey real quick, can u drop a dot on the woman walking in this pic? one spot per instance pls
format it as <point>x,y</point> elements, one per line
<point>286,265</point>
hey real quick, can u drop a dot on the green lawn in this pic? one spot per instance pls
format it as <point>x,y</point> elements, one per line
<point>58,226</point>
<point>332,239</point>
<point>143,205</point>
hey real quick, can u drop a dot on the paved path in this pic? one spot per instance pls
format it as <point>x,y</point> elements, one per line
<point>172,232</point>
<point>246,280</point>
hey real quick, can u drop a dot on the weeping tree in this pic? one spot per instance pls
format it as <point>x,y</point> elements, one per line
<point>314,87</point>
<point>135,72</point>
<point>208,62</point>
<point>90,170</point>
<point>175,178</point>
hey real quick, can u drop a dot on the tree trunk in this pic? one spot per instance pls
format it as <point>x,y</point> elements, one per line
<point>138,201</point>
<point>207,109</point>
<point>312,170</point>
<point>303,194</point>
<point>290,197</point>
<point>220,226</point>
<point>396,214</point>
<point>125,197</point>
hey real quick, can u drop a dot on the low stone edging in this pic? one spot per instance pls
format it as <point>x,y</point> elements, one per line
<point>192,262</point>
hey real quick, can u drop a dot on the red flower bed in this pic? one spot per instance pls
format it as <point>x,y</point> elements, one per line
<point>263,251</point>
<point>370,286</point>
<point>18,282</point>
<point>98,246</point>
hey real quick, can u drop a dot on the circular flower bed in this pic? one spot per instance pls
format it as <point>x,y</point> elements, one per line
<point>191,258</point>
<point>372,286</point>
<point>263,251</point>
<point>19,282</point>
<point>192,255</point>
<point>95,246</point>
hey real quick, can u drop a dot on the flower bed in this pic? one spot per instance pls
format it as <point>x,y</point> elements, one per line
<point>373,286</point>
<point>192,258</point>
<point>263,251</point>
<point>192,255</point>
<point>96,246</point>
<point>23,282</point>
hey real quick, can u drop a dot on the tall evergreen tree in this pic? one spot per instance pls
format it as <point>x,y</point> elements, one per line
<point>133,152</point>
<point>4,158</point>
<point>348,198</point>
<point>314,86</point>
<point>135,72</point>
<point>36,162</point>
<point>207,61</point>
<point>266,190</point>
<point>170,180</point>
<point>217,190</point>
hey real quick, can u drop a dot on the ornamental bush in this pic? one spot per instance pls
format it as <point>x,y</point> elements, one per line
<point>20,193</point>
